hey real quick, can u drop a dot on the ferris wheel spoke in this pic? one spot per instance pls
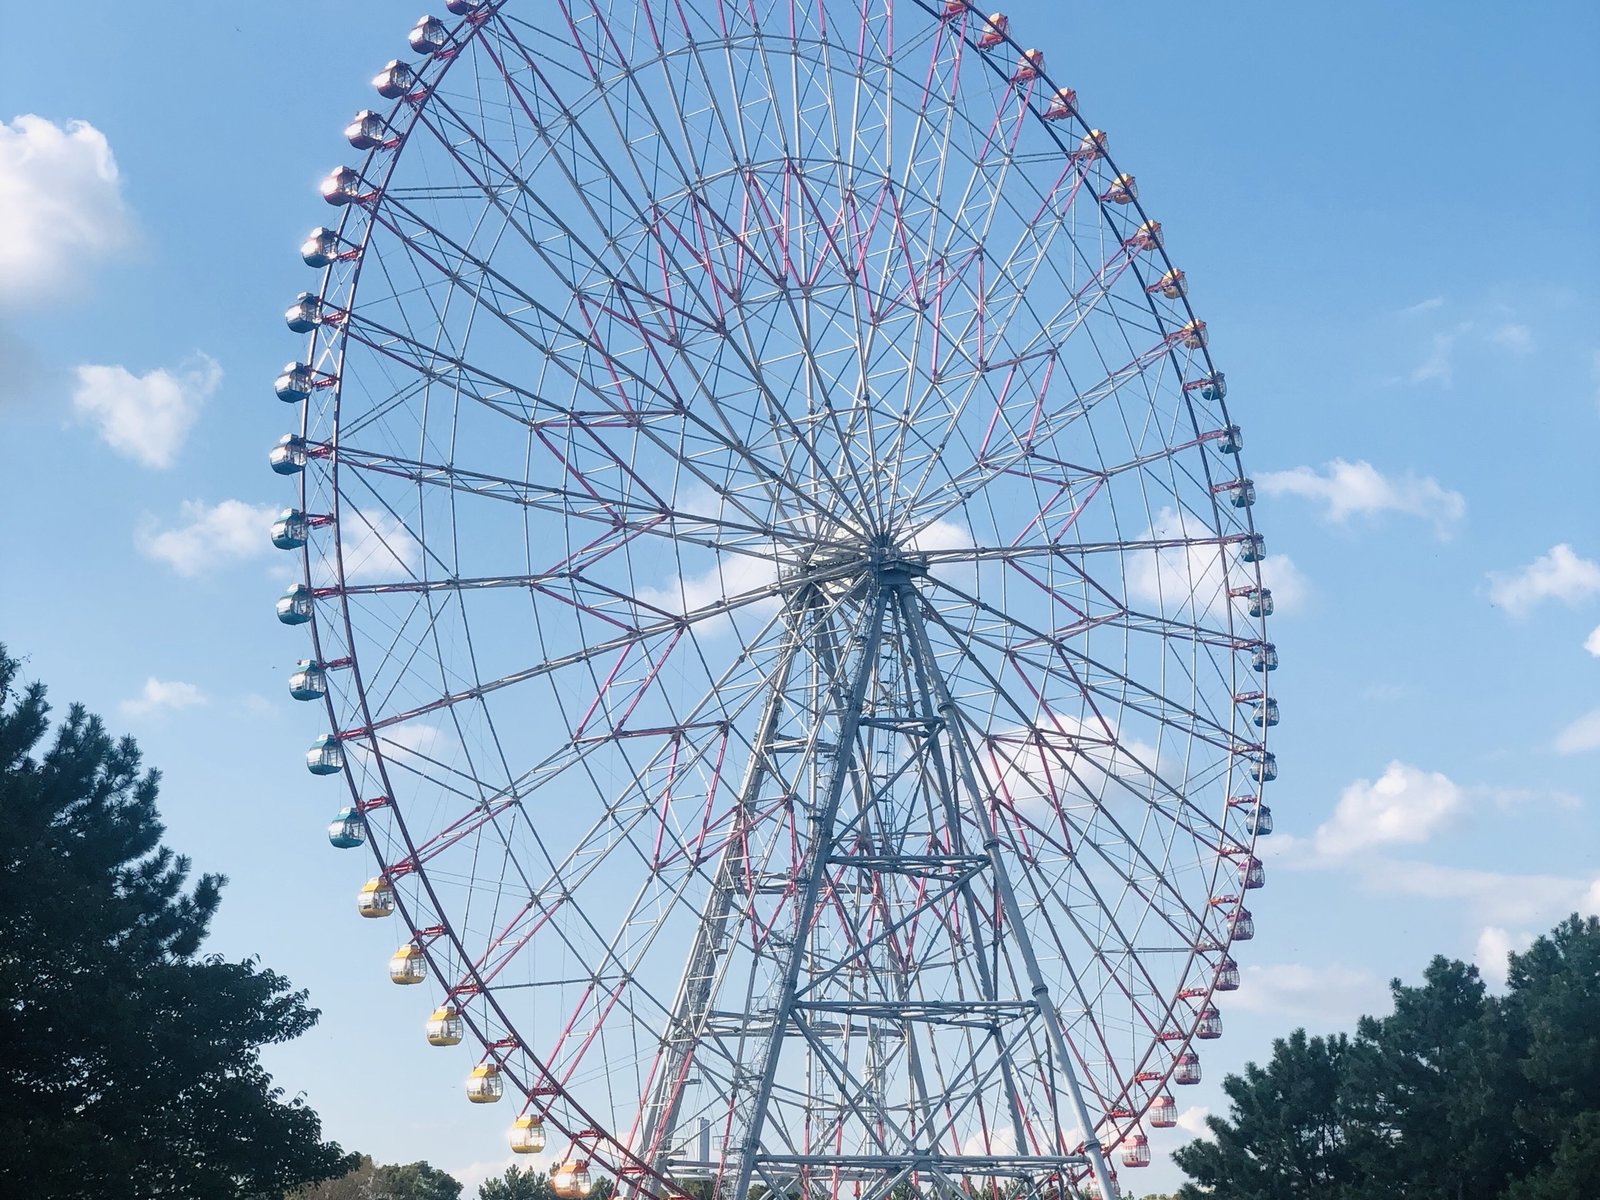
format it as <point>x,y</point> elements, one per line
<point>673,403</point>
<point>1022,711</point>
<point>622,512</point>
<point>625,643</point>
<point>1044,427</point>
<point>751,357</point>
<point>1018,637</point>
<point>812,376</point>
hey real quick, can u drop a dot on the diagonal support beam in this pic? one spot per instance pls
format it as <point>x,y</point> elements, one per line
<point>928,669</point>
<point>849,708</point>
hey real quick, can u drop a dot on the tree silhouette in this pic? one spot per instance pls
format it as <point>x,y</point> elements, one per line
<point>131,1062</point>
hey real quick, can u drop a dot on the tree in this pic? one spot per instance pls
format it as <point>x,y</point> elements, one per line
<point>517,1184</point>
<point>1291,1133</point>
<point>1552,1010</point>
<point>1455,1095</point>
<point>132,1062</point>
<point>1574,1170</point>
<point>369,1181</point>
<point>414,1181</point>
<point>1437,1077</point>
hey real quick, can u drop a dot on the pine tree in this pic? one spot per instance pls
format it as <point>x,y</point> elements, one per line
<point>132,1061</point>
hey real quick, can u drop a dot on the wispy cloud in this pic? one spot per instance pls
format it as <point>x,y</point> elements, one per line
<point>1301,993</point>
<point>1581,736</point>
<point>1513,337</point>
<point>208,536</point>
<point>161,695</point>
<point>1559,574</point>
<point>375,547</point>
<point>1193,1120</point>
<point>1439,365</point>
<point>1494,327</point>
<point>1592,642</point>
<point>1494,897</point>
<point>145,417</point>
<point>475,1174</point>
<point>1358,489</point>
<point>64,210</point>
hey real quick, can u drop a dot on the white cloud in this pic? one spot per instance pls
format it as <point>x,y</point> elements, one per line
<point>1287,583</point>
<point>1296,993</point>
<point>1403,805</point>
<point>1592,642</point>
<point>375,548</point>
<point>1189,579</point>
<point>1557,575</point>
<point>1349,489</point>
<point>163,695</point>
<point>1580,736</point>
<point>1513,337</point>
<point>1495,897</point>
<point>1066,762</point>
<point>942,535</point>
<point>1519,799</point>
<point>998,1141</point>
<point>145,417</point>
<point>1494,945</point>
<point>1194,1121</point>
<point>474,1175</point>
<point>416,738</point>
<point>1422,306</point>
<point>62,199</point>
<point>1177,576</point>
<point>731,575</point>
<point>209,536</point>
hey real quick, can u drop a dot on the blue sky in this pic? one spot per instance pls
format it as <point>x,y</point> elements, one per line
<point>1387,216</point>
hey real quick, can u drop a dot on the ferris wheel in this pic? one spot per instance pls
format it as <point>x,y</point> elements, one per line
<point>785,597</point>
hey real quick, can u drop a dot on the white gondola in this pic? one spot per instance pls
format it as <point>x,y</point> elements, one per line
<point>395,80</point>
<point>294,607</point>
<point>288,456</point>
<point>308,680</point>
<point>326,756</point>
<point>343,186</point>
<point>321,247</point>
<point>367,131</point>
<point>429,36</point>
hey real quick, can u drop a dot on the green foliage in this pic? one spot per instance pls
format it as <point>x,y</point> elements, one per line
<point>1573,1172</point>
<point>1455,1095</point>
<point>369,1181</point>
<point>517,1184</point>
<point>132,1062</point>
<point>414,1181</point>
<point>1291,1132</point>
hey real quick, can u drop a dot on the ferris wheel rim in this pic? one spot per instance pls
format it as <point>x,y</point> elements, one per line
<point>349,630</point>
